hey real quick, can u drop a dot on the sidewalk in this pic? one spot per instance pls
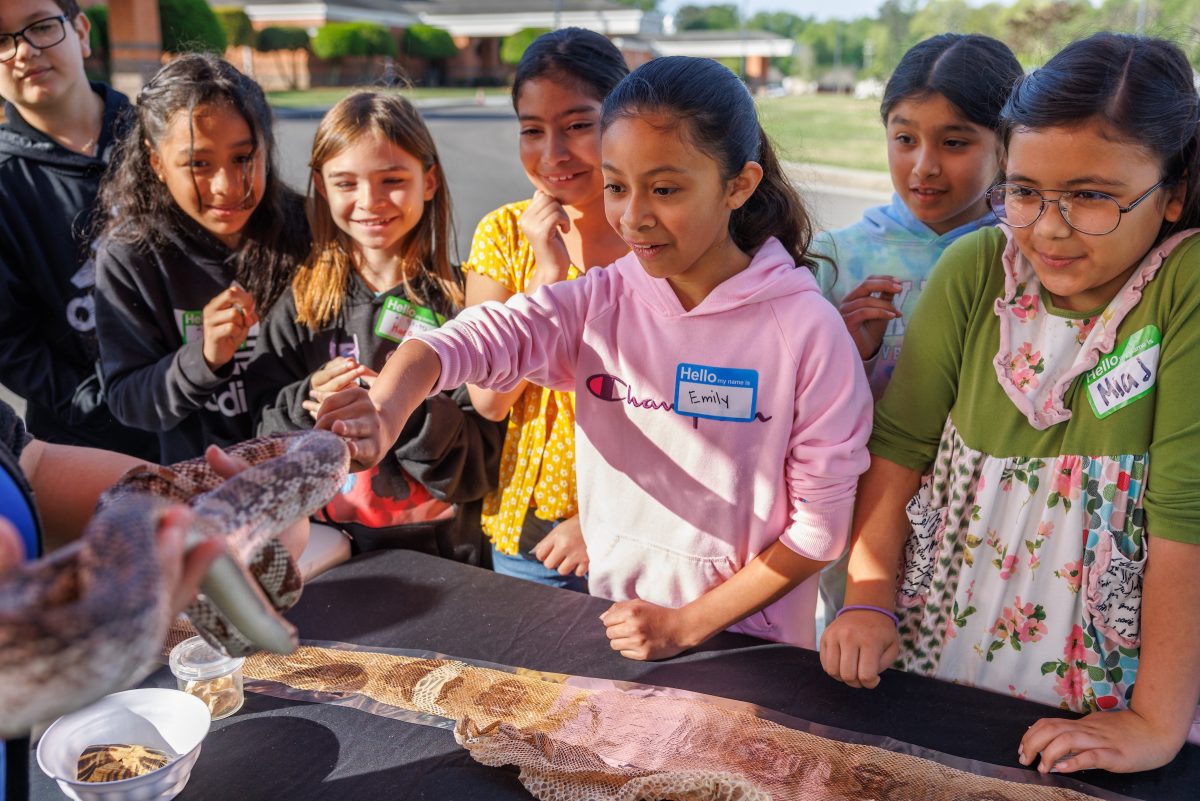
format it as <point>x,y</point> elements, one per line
<point>865,183</point>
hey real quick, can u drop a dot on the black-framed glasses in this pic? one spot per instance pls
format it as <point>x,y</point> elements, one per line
<point>1085,210</point>
<point>40,34</point>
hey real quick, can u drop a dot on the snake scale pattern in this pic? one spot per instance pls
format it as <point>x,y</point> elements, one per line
<point>90,618</point>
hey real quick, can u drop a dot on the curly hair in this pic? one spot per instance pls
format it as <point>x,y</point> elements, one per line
<point>275,239</point>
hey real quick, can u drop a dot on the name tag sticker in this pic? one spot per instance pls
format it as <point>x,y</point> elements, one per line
<point>399,319</point>
<point>716,393</point>
<point>191,325</point>
<point>1125,375</point>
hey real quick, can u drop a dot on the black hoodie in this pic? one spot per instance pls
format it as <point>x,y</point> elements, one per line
<point>48,349</point>
<point>149,304</point>
<point>446,446</point>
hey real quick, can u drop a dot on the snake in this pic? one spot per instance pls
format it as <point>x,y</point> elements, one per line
<point>91,617</point>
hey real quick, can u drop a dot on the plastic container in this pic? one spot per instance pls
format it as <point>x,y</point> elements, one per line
<point>208,674</point>
<point>168,720</point>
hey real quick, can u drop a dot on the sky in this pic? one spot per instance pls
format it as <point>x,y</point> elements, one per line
<point>820,9</point>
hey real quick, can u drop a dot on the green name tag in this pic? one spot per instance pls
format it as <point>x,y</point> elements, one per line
<point>399,319</point>
<point>191,325</point>
<point>191,328</point>
<point>1126,374</point>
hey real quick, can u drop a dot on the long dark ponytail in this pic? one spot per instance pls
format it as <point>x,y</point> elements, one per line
<point>716,112</point>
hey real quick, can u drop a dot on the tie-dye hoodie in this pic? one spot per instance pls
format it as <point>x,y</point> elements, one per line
<point>888,240</point>
<point>673,505</point>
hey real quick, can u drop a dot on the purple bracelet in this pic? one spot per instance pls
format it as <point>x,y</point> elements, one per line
<point>870,608</point>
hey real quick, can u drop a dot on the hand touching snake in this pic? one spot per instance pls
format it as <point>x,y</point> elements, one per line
<point>90,618</point>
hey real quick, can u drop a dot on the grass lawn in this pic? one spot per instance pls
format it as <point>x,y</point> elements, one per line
<point>826,129</point>
<point>326,97</point>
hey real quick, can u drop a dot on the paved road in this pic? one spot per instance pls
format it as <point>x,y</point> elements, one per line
<point>478,146</point>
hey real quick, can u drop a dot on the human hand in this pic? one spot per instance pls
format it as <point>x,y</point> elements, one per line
<point>543,223</point>
<point>638,629</point>
<point>867,309</point>
<point>12,550</point>
<point>334,376</point>
<point>858,646</point>
<point>1119,741</point>
<point>563,549</point>
<point>228,318</point>
<point>353,416</point>
<point>337,374</point>
<point>295,536</point>
<point>183,570</point>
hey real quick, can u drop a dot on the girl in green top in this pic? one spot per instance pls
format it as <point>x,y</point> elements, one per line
<point>1037,444</point>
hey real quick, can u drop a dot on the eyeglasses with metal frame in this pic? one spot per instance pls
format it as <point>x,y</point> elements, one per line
<point>1086,210</point>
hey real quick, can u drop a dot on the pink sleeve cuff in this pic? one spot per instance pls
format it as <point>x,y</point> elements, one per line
<point>820,533</point>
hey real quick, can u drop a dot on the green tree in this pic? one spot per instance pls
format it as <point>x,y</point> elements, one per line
<point>284,41</point>
<point>1036,29</point>
<point>644,5</point>
<point>190,26</point>
<point>783,23</point>
<point>341,39</point>
<point>239,32</point>
<point>98,38</point>
<point>722,17</point>
<point>428,42</point>
<point>513,47</point>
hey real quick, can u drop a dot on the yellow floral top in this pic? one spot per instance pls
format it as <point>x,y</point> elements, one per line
<point>537,466</point>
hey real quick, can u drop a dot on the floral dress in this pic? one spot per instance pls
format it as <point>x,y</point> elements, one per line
<point>1023,572</point>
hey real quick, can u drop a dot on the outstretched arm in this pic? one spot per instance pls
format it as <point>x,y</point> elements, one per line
<point>371,421</point>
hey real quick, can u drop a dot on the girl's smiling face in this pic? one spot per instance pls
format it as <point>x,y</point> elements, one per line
<point>214,171</point>
<point>560,140</point>
<point>376,192</point>
<point>670,203</point>
<point>941,163</point>
<point>1081,271</point>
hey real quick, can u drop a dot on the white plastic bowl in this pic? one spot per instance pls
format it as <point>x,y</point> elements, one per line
<point>169,720</point>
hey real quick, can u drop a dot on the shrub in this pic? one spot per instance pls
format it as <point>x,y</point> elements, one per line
<point>190,26</point>
<point>340,39</point>
<point>428,42</point>
<point>281,37</point>
<point>513,47</point>
<point>236,24</point>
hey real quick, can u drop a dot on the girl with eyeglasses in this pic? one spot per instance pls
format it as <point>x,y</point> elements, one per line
<point>1029,523</point>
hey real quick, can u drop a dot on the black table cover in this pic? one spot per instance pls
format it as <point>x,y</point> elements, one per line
<point>278,749</point>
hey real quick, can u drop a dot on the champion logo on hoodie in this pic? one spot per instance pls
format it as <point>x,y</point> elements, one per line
<point>610,388</point>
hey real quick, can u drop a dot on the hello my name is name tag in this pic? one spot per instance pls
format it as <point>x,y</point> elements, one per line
<point>1125,375</point>
<point>716,393</point>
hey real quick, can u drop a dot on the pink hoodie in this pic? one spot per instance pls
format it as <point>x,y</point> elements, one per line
<point>673,505</point>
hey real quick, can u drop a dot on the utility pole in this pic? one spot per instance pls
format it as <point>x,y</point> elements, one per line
<point>1141,18</point>
<point>557,14</point>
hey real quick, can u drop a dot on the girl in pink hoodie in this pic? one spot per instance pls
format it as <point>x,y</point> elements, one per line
<point>721,412</point>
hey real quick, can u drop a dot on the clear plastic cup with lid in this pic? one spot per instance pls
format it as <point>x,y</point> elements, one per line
<point>208,674</point>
